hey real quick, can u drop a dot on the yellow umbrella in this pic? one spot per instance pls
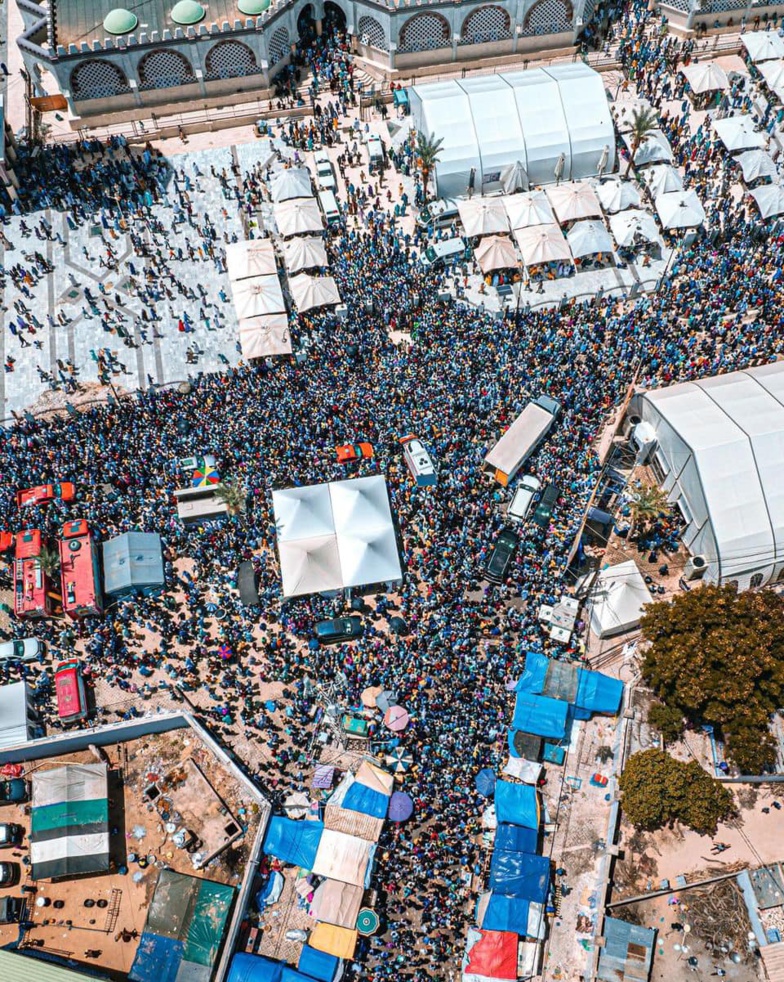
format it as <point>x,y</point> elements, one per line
<point>369,696</point>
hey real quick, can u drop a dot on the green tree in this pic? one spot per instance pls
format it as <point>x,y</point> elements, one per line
<point>49,561</point>
<point>667,720</point>
<point>643,122</point>
<point>657,789</point>
<point>427,150</point>
<point>716,656</point>
<point>234,496</point>
<point>647,503</point>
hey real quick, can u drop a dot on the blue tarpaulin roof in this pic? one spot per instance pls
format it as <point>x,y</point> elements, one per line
<point>254,968</point>
<point>292,975</point>
<point>517,804</point>
<point>520,874</point>
<point>157,959</point>
<point>294,842</point>
<point>597,693</point>
<point>506,914</point>
<point>514,838</point>
<point>360,798</point>
<point>318,964</point>
<point>532,679</point>
<point>540,715</point>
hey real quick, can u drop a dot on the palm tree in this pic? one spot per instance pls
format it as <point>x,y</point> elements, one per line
<point>427,149</point>
<point>48,561</point>
<point>643,122</point>
<point>234,496</point>
<point>647,503</point>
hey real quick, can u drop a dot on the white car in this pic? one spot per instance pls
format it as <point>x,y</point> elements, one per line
<point>375,151</point>
<point>27,649</point>
<point>325,175</point>
<point>520,505</point>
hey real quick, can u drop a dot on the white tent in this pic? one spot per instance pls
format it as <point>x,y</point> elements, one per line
<point>344,857</point>
<point>265,336</point>
<point>530,208</point>
<point>628,226</point>
<point>496,252</point>
<point>680,209</point>
<point>514,177</point>
<point>763,45</point>
<point>491,124</point>
<point>756,164</point>
<point>310,566</point>
<point>705,76</point>
<point>303,513</point>
<point>368,557</point>
<point>624,112</point>
<point>620,594</point>
<point>305,252</point>
<point>720,449</point>
<point>770,200</point>
<point>588,238</point>
<point>483,216</point>
<point>293,182</point>
<point>253,258</point>
<point>257,295</point>
<point>574,201</point>
<point>773,73</point>
<point>308,292</point>
<point>654,149</point>
<point>618,195</point>
<point>542,244</point>
<point>738,133</point>
<point>298,216</point>
<point>662,178</point>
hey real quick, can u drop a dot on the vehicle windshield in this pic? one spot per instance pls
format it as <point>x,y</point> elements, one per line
<point>430,252</point>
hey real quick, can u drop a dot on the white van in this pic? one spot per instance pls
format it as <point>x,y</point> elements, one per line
<point>375,151</point>
<point>325,175</point>
<point>329,206</point>
<point>523,498</point>
<point>442,211</point>
<point>419,463</point>
<point>445,252</point>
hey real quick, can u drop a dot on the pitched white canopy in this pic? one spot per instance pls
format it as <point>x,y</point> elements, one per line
<point>628,226</point>
<point>680,209</point>
<point>705,76</point>
<point>496,252</point>
<point>483,216</point>
<point>770,200</point>
<point>253,258</point>
<point>305,252</point>
<point>542,244</point>
<point>298,216</point>
<point>738,133</point>
<point>618,195</point>
<point>588,238</point>
<point>293,182</point>
<point>257,295</point>
<point>265,336</point>
<point>661,178</point>
<point>773,73</point>
<point>763,45</point>
<point>574,201</point>
<point>308,292</point>
<point>531,208</point>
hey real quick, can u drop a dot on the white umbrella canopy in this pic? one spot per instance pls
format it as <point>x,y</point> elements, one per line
<point>257,295</point>
<point>496,252</point>
<point>770,200</point>
<point>654,149</point>
<point>304,252</point>
<point>294,182</point>
<point>265,336</point>
<point>253,258</point>
<point>756,164</point>
<point>661,178</point>
<point>524,210</point>
<point>542,244</point>
<point>574,201</point>
<point>628,226</point>
<point>298,216</point>
<point>618,195</point>
<point>680,209</point>
<point>483,216</point>
<point>706,76</point>
<point>308,292</point>
<point>588,238</point>
<point>738,133</point>
<point>763,45</point>
<point>773,73</point>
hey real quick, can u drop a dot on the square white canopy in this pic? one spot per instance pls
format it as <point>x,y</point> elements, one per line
<point>763,45</point>
<point>257,295</point>
<point>253,258</point>
<point>680,209</point>
<point>298,216</point>
<point>620,594</point>
<point>628,226</point>
<point>705,76</point>
<point>618,195</point>
<point>304,252</point>
<point>530,208</point>
<point>738,133</point>
<point>265,336</point>
<point>496,252</point>
<point>309,292</point>
<point>770,200</point>
<point>773,73</point>
<point>574,201</point>
<point>588,239</point>
<point>756,164</point>
<point>661,178</point>
<point>654,149</point>
<point>293,182</point>
<point>483,216</point>
<point>542,244</point>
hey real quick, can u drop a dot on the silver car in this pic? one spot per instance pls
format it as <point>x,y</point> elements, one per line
<point>26,649</point>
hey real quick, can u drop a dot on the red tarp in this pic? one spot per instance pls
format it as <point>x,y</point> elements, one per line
<point>494,955</point>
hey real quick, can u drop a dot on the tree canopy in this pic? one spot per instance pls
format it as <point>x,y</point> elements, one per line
<point>657,789</point>
<point>716,656</point>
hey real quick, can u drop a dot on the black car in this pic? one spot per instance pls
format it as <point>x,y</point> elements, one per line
<point>11,834</point>
<point>11,910</point>
<point>9,874</point>
<point>248,584</point>
<point>340,629</point>
<point>502,555</point>
<point>544,510</point>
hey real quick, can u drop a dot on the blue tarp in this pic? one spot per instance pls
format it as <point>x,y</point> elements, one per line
<point>157,959</point>
<point>294,842</point>
<point>597,693</point>
<point>254,968</point>
<point>532,679</point>
<point>520,874</point>
<point>540,715</point>
<point>514,838</point>
<point>318,964</point>
<point>506,914</point>
<point>516,804</point>
<point>366,800</point>
<point>292,975</point>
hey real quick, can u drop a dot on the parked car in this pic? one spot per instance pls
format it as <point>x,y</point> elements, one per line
<point>21,649</point>
<point>10,874</point>
<point>11,910</point>
<point>375,152</point>
<point>502,555</point>
<point>325,175</point>
<point>43,494</point>
<point>349,452</point>
<point>339,629</point>
<point>14,791</point>
<point>442,211</point>
<point>520,505</point>
<point>445,253</point>
<point>544,510</point>
<point>419,462</point>
<point>11,834</point>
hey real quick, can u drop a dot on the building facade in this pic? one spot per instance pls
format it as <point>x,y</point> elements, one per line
<point>161,53</point>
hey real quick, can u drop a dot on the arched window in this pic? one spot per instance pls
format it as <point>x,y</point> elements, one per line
<point>164,69</point>
<point>98,79</point>
<point>549,17</point>
<point>423,33</point>
<point>372,33</point>
<point>756,580</point>
<point>230,59</point>
<point>279,45</point>
<point>486,24</point>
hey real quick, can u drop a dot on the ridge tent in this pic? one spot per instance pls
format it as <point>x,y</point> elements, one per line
<point>619,597</point>
<point>293,182</point>
<point>309,292</point>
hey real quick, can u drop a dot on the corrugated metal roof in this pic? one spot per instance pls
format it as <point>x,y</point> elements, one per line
<point>15,967</point>
<point>627,954</point>
<point>773,960</point>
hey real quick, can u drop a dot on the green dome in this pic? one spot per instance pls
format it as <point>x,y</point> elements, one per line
<point>188,12</point>
<point>253,7</point>
<point>120,21</point>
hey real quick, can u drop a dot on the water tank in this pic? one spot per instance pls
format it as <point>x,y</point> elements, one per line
<point>695,568</point>
<point>643,440</point>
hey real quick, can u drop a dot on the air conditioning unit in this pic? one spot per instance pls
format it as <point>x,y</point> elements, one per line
<point>628,425</point>
<point>643,441</point>
<point>695,568</point>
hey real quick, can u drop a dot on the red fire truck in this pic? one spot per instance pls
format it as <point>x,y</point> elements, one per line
<point>80,577</point>
<point>33,594</point>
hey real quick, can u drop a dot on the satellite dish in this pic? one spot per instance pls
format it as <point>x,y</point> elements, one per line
<point>686,928</point>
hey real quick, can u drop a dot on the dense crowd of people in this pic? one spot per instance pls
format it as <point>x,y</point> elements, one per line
<point>464,378</point>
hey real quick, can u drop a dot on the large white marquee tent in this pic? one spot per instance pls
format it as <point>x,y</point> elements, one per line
<point>720,455</point>
<point>530,119</point>
<point>335,535</point>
